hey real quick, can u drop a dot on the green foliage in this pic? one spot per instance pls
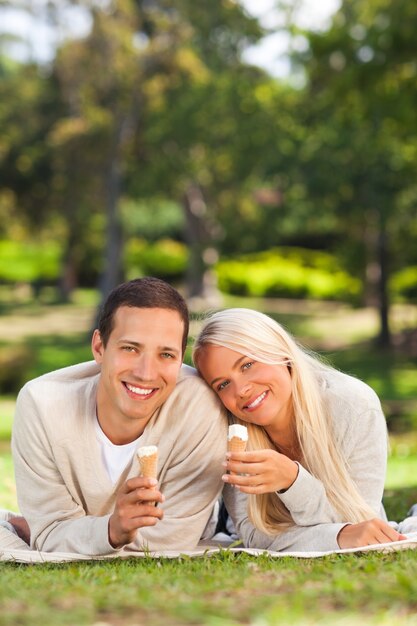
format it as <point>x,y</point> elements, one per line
<point>29,261</point>
<point>153,219</point>
<point>290,273</point>
<point>403,284</point>
<point>164,258</point>
<point>7,406</point>
<point>15,363</point>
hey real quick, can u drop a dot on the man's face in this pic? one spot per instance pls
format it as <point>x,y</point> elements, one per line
<point>139,369</point>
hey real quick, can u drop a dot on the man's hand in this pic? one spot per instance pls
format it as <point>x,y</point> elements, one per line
<point>367,533</point>
<point>135,508</point>
<point>260,471</point>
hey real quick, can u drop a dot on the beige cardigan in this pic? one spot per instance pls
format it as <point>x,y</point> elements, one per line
<point>360,429</point>
<point>63,488</point>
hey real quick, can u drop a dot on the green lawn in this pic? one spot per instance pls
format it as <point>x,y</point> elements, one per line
<point>214,591</point>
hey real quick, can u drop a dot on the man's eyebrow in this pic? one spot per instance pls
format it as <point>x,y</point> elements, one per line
<point>168,349</point>
<point>137,344</point>
<point>234,366</point>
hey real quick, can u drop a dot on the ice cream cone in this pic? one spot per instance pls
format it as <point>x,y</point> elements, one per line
<point>148,462</point>
<point>237,439</point>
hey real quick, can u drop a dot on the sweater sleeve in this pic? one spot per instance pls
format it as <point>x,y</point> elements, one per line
<point>318,537</point>
<point>364,444</point>
<point>58,521</point>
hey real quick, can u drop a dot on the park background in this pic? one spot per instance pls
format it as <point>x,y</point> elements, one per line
<point>147,143</point>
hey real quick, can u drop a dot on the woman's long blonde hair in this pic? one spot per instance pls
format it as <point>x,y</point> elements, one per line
<point>261,338</point>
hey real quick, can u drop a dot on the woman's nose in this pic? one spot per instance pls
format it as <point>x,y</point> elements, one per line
<point>244,389</point>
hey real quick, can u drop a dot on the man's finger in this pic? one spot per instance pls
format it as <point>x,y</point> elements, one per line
<point>138,482</point>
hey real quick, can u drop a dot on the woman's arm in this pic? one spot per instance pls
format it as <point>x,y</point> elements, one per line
<point>317,538</point>
<point>363,441</point>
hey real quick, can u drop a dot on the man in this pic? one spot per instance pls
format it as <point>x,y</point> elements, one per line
<point>76,431</point>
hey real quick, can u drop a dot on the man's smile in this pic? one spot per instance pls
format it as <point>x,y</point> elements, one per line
<point>140,391</point>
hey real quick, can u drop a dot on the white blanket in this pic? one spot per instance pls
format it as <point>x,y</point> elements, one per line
<point>32,556</point>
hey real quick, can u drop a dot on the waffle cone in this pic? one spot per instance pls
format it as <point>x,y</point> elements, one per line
<point>148,465</point>
<point>148,468</point>
<point>236,444</point>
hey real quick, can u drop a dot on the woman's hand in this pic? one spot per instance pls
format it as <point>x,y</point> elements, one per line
<point>260,471</point>
<point>367,533</point>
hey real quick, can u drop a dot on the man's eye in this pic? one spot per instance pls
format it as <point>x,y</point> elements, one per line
<point>167,355</point>
<point>128,348</point>
<point>222,385</point>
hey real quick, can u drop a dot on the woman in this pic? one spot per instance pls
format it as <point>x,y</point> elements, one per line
<point>315,466</point>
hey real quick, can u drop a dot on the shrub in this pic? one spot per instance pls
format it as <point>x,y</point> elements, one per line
<point>403,284</point>
<point>289,273</point>
<point>15,365</point>
<point>165,258</point>
<point>29,262</point>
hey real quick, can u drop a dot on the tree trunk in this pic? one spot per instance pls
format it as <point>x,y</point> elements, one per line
<point>112,273</point>
<point>376,242</point>
<point>384,336</point>
<point>68,279</point>
<point>196,235</point>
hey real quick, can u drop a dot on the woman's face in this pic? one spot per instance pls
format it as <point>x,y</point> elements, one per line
<point>255,392</point>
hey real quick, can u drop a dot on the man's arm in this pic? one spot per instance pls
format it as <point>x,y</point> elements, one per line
<point>57,519</point>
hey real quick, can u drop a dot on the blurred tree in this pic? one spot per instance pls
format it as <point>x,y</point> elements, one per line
<point>196,123</point>
<point>29,105</point>
<point>359,157</point>
<point>155,65</point>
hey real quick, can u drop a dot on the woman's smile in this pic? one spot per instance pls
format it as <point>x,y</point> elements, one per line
<point>251,406</point>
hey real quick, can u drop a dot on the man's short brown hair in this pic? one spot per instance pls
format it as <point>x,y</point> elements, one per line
<point>143,293</point>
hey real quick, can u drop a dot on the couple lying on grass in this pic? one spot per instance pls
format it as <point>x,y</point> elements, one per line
<point>311,479</point>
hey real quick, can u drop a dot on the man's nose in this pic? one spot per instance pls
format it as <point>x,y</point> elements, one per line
<point>145,367</point>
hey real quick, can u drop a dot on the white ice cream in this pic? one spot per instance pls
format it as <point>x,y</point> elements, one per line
<point>146,451</point>
<point>239,431</point>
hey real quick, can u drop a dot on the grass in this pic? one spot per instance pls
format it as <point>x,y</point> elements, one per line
<point>220,590</point>
<point>225,589</point>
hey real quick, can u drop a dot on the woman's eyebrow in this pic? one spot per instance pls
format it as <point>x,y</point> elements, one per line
<point>234,366</point>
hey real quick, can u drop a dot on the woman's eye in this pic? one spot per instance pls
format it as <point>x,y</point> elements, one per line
<point>222,385</point>
<point>247,365</point>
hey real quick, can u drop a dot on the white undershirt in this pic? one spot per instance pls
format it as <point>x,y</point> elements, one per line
<point>115,458</point>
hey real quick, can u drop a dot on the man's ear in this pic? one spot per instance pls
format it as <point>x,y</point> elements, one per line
<point>97,346</point>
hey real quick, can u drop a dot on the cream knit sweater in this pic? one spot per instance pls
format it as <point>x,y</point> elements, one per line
<point>360,428</point>
<point>63,488</point>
